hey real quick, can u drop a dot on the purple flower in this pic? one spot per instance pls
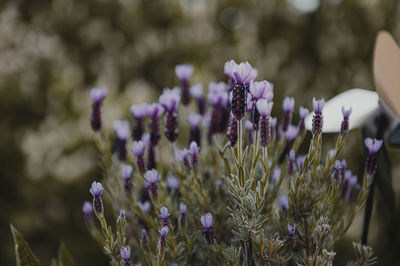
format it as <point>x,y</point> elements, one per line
<point>288,108</point>
<point>154,110</point>
<point>194,151</point>
<point>184,72</point>
<point>87,208</point>
<point>344,128</point>
<point>373,146</point>
<point>218,183</point>
<point>97,95</point>
<point>284,203</point>
<point>125,253</point>
<point>126,172</point>
<point>144,237</point>
<point>291,231</point>
<point>163,234</point>
<point>146,139</point>
<point>172,182</point>
<point>197,91</point>
<point>303,113</point>
<point>182,207</point>
<point>291,133</point>
<point>139,111</point>
<point>317,121</point>
<point>138,148</point>
<point>144,206</point>
<point>194,120</point>
<point>217,93</point>
<point>264,107</point>
<point>265,131</point>
<point>350,187</point>
<point>169,99</point>
<point>97,190</point>
<point>122,129</point>
<point>207,221</point>
<point>152,178</point>
<point>241,73</point>
<point>164,213</point>
<point>262,89</point>
<point>232,131</point>
<point>318,105</point>
<point>300,161</point>
<point>337,173</point>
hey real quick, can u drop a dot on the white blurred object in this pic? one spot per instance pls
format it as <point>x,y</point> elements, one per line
<point>364,104</point>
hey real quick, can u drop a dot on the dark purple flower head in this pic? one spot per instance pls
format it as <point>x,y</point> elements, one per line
<point>373,145</point>
<point>264,107</point>
<point>184,72</point>
<point>346,113</point>
<point>207,221</point>
<point>138,148</point>
<point>197,91</point>
<point>303,112</point>
<point>182,208</point>
<point>87,208</point>
<point>164,231</point>
<point>126,172</point>
<point>318,105</point>
<point>172,182</point>
<point>194,120</point>
<point>152,176</point>
<point>154,110</point>
<point>288,104</point>
<point>122,216</point>
<point>194,150</point>
<point>169,99</point>
<point>291,163</point>
<point>139,111</point>
<point>241,73</point>
<point>217,93</point>
<point>284,203</point>
<point>262,89</point>
<point>125,253</point>
<point>97,189</point>
<point>144,206</point>
<point>291,133</point>
<point>292,155</point>
<point>344,128</point>
<point>97,95</point>
<point>164,214</point>
<point>122,129</point>
<point>146,139</point>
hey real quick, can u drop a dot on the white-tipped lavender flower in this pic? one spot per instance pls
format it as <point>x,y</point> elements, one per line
<point>194,121</point>
<point>317,121</point>
<point>349,187</point>
<point>183,73</point>
<point>261,89</point>
<point>170,101</point>
<point>87,210</point>
<point>291,231</point>
<point>122,131</point>
<point>300,162</point>
<point>163,235</point>
<point>138,151</point>
<point>344,128</point>
<point>276,174</point>
<point>139,112</point>
<point>373,146</point>
<point>218,183</point>
<point>303,114</point>
<point>126,177</point>
<point>207,222</point>
<point>283,202</point>
<point>97,96</point>
<point>152,178</point>
<point>232,131</point>
<point>122,217</point>
<point>219,118</point>
<point>182,217</point>
<point>154,110</point>
<point>172,182</point>
<point>144,206</point>
<point>291,163</point>
<point>250,129</point>
<point>97,190</point>
<point>126,255</point>
<point>264,108</point>
<point>164,215</point>
<point>241,73</point>
<point>194,152</point>
<point>288,108</point>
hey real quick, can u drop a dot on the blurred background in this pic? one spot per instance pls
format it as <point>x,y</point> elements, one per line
<point>53,51</point>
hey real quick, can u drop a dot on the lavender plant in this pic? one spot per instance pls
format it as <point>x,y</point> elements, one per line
<point>228,186</point>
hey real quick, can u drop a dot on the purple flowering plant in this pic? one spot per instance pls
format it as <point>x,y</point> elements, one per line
<point>272,205</point>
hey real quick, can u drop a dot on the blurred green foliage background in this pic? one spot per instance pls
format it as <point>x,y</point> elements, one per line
<point>53,51</point>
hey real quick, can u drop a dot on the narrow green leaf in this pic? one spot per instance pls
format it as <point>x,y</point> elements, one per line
<point>64,257</point>
<point>23,253</point>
